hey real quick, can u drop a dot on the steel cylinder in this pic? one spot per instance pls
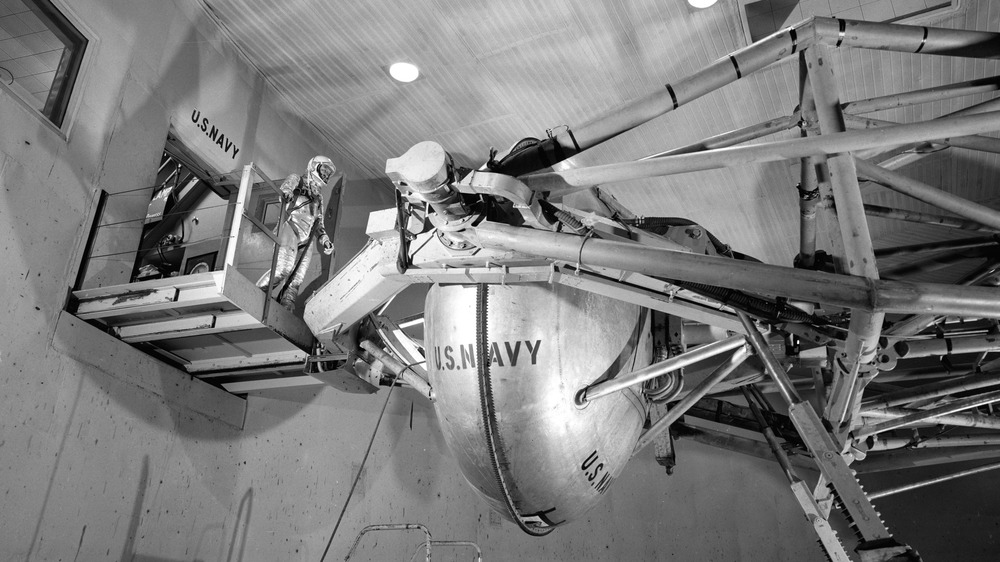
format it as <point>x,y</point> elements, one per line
<point>506,362</point>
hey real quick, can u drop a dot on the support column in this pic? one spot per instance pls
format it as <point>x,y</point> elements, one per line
<point>859,257</point>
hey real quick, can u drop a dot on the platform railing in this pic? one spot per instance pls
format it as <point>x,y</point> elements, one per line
<point>127,244</point>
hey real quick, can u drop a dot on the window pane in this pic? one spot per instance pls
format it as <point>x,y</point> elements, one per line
<point>40,55</point>
<point>271,213</point>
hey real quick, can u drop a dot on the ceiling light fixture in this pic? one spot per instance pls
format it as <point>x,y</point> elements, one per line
<point>701,3</point>
<point>404,71</point>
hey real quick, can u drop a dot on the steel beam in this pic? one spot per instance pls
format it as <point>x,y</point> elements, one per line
<point>971,142</point>
<point>830,31</point>
<point>925,218</point>
<point>936,347</point>
<point>776,372</point>
<point>859,258</point>
<point>936,442</point>
<point>734,137</point>
<point>937,93</point>
<point>814,184</point>
<point>810,286</point>
<point>742,445</point>
<point>915,324</point>
<point>929,194</point>
<point>569,181</point>
<point>932,390</point>
<point>961,420</point>
<point>697,393</point>
<point>928,482</point>
<point>925,415</point>
<point>611,386</point>
<point>960,244</point>
<point>397,368</point>
<point>881,461</point>
<point>900,156</point>
<point>716,75</point>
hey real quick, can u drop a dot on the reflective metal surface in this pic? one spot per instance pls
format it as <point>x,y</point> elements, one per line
<point>506,362</point>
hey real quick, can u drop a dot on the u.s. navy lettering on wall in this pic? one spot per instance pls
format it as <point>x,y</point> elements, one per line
<point>501,354</point>
<point>214,133</point>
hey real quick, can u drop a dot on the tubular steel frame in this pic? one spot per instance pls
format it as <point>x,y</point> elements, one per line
<point>831,167</point>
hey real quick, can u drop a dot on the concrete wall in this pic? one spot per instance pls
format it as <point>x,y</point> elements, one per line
<point>107,454</point>
<point>304,447</point>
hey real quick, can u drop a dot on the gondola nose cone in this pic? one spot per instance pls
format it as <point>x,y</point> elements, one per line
<point>506,363</point>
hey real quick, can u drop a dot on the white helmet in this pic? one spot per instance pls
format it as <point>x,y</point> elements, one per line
<point>320,169</point>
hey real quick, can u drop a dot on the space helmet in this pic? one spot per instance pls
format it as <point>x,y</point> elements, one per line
<point>320,169</point>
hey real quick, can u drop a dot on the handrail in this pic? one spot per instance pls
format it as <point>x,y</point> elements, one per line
<point>392,527</point>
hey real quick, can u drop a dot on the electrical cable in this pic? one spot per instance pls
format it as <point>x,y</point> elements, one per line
<point>357,477</point>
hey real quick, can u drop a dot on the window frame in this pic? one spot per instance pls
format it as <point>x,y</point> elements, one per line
<point>58,16</point>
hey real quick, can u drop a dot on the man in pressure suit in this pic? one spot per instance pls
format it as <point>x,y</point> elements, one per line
<point>303,210</point>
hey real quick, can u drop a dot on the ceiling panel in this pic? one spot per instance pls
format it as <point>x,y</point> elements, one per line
<point>494,73</point>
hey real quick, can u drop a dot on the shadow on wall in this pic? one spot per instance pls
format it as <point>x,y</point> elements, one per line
<point>237,542</point>
<point>241,527</point>
<point>148,394</point>
<point>143,119</point>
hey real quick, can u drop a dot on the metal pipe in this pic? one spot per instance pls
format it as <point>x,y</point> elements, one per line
<point>932,390</point>
<point>736,444</point>
<point>865,325</point>
<point>392,527</point>
<point>808,201</point>
<point>797,284</point>
<point>772,440</point>
<point>897,460</point>
<point>899,156</point>
<point>479,552</point>
<point>733,137</point>
<point>929,194</point>
<point>814,181</point>
<point>925,218</point>
<point>723,71</point>
<point>961,244</point>
<point>771,365</point>
<point>938,442</point>
<point>611,386</point>
<point>923,265</point>
<point>961,420</point>
<point>837,32</point>
<point>971,142</point>
<point>831,31</point>
<point>568,181</point>
<point>402,371</point>
<point>947,346</point>
<point>928,482</point>
<point>697,393</point>
<point>937,93</point>
<point>925,415</point>
<point>914,324</point>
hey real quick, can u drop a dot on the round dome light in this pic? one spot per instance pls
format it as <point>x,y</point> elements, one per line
<point>701,3</point>
<point>404,72</point>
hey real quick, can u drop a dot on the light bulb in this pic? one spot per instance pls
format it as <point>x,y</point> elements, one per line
<point>701,3</point>
<point>404,71</point>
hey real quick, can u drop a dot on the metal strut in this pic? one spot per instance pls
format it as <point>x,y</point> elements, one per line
<point>815,514</point>
<point>877,543</point>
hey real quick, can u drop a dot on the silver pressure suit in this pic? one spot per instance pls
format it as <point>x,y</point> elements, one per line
<point>303,210</point>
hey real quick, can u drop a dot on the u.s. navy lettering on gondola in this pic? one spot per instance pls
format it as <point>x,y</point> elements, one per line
<point>501,354</point>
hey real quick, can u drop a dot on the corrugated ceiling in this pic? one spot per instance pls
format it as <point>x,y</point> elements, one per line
<point>495,72</point>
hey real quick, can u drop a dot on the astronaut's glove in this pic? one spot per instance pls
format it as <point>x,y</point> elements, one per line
<point>324,241</point>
